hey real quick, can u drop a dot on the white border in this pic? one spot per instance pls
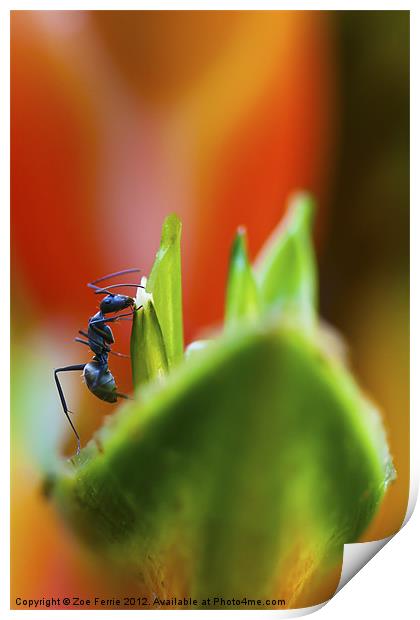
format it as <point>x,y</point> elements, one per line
<point>387,585</point>
<point>5,304</point>
<point>213,5</point>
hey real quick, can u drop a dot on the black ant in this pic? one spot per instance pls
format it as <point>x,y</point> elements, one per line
<point>96,373</point>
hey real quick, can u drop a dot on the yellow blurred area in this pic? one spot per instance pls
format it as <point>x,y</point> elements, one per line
<point>383,361</point>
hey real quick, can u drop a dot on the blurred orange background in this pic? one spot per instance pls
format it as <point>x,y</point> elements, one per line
<point>121,117</point>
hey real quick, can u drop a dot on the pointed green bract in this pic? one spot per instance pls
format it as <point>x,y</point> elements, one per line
<point>242,295</point>
<point>285,268</point>
<point>164,283</point>
<point>148,353</point>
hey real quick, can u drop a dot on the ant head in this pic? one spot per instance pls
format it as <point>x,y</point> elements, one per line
<point>114,303</point>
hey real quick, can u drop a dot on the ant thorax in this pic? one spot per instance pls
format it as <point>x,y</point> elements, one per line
<point>100,333</point>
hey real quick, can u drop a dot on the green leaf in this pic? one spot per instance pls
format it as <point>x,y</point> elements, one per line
<point>243,475</point>
<point>164,283</point>
<point>285,269</point>
<point>253,463</point>
<point>148,353</point>
<point>242,301</point>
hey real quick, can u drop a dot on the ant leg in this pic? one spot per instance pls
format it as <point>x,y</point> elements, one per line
<point>107,336</point>
<point>122,317</point>
<point>63,400</point>
<point>91,340</point>
<point>95,325</point>
<point>119,354</point>
<point>112,319</point>
<point>101,333</point>
<point>86,335</point>
<point>99,392</point>
<point>120,395</point>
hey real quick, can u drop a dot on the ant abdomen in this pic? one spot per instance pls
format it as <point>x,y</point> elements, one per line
<point>100,381</point>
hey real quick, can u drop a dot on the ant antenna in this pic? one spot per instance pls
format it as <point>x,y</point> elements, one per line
<point>111,352</point>
<point>112,275</point>
<point>99,291</point>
